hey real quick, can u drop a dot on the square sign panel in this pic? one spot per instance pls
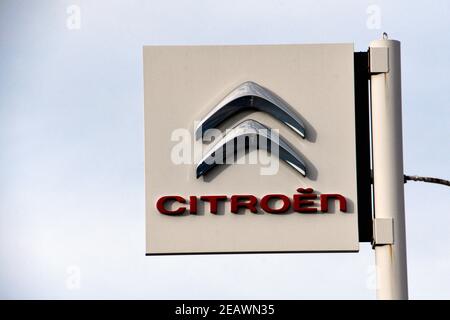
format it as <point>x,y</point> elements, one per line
<point>250,149</point>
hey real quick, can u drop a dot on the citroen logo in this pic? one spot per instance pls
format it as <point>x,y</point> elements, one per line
<point>250,95</point>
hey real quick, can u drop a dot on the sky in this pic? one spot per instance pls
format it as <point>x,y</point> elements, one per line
<point>72,220</point>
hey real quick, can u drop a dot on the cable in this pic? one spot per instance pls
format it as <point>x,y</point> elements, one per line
<point>427,179</point>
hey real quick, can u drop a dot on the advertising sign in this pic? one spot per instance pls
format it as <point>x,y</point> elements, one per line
<point>250,149</point>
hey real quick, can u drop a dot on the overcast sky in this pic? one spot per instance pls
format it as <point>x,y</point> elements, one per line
<point>72,157</point>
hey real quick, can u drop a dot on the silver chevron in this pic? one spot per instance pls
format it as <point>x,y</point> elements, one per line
<point>253,130</point>
<point>250,95</point>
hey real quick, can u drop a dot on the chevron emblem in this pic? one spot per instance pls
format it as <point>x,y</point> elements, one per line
<point>250,96</point>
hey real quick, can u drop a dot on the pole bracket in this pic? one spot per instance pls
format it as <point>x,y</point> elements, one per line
<point>383,231</point>
<point>379,60</point>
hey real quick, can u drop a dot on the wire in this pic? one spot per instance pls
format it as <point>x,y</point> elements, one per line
<point>427,179</point>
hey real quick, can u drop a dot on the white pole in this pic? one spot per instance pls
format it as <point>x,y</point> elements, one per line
<point>392,282</point>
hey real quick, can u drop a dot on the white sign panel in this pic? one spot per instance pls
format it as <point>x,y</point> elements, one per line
<point>250,149</point>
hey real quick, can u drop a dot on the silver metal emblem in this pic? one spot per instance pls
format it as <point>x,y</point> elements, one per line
<point>250,95</point>
<point>261,135</point>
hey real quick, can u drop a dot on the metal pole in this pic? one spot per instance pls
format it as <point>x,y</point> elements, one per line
<point>387,149</point>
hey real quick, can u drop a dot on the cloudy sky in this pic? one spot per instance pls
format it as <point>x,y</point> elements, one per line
<point>72,157</point>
